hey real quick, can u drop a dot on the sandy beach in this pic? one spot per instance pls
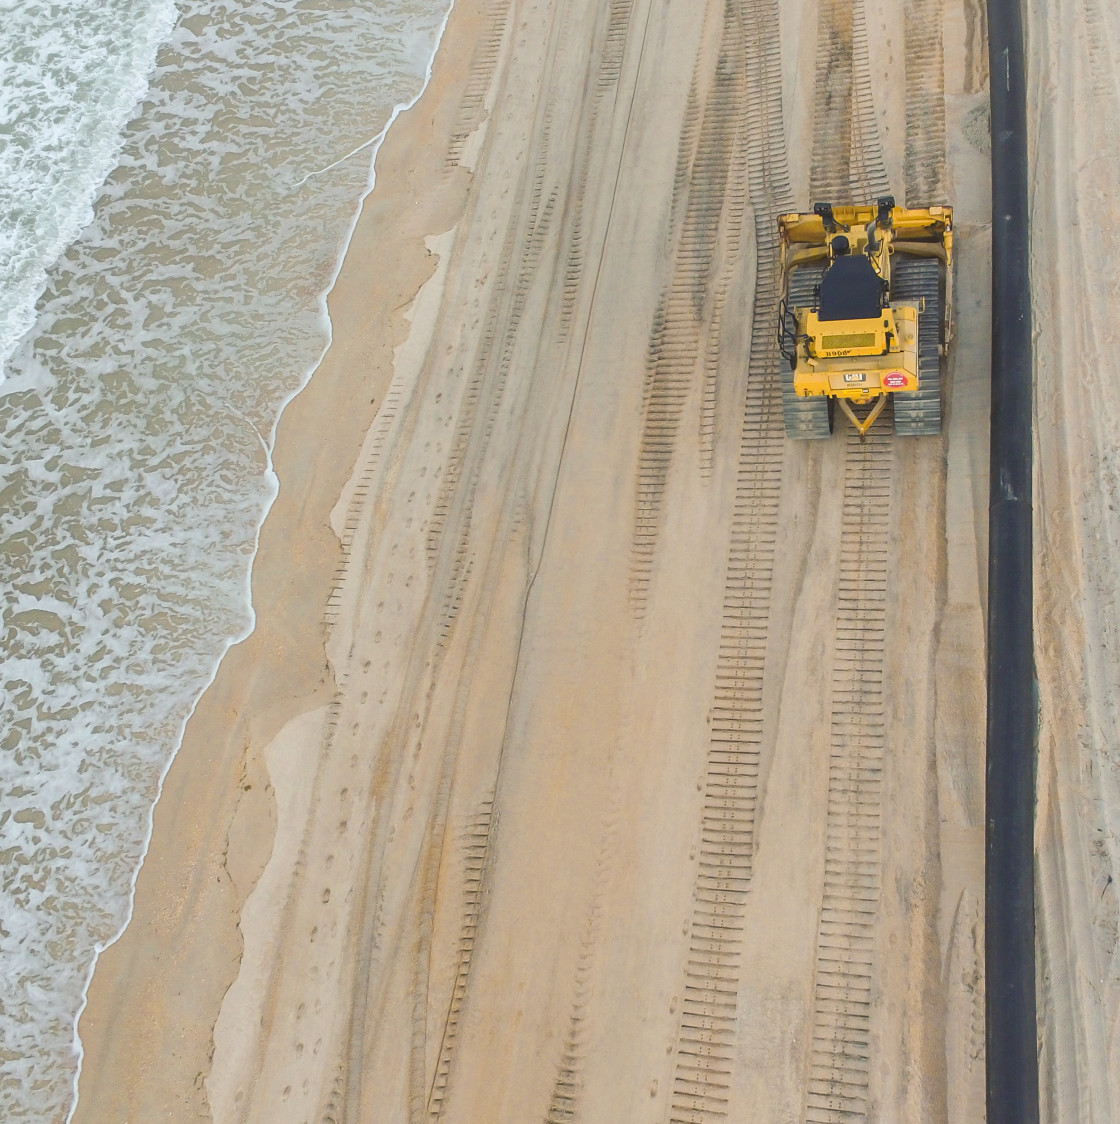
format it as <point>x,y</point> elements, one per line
<point>599,753</point>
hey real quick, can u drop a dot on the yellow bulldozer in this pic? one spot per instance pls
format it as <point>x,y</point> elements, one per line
<point>864,315</point>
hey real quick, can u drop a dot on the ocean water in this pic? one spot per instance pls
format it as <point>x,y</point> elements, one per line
<point>177,183</point>
<point>67,88</point>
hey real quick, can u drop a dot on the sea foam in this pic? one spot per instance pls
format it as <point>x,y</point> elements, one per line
<point>68,84</point>
<point>136,426</point>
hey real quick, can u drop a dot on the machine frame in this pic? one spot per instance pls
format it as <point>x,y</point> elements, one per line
<point>866,357</point>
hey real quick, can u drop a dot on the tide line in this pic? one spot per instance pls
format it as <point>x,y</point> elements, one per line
<point>374,145</point>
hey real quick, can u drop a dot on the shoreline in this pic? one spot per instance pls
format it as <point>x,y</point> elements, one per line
<point>375,143</point>
<point>598,746</point>
<point>362,236</point>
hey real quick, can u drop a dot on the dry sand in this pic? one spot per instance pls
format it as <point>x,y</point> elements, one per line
<point>599,754</point>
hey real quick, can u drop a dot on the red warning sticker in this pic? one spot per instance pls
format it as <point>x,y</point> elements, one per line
<point>895,379</point>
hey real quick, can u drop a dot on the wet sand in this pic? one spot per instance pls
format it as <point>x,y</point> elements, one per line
<point>598,752</point>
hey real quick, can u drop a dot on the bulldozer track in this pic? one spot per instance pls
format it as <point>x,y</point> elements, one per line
<point>732,153</point>
<point>564,1103</point>
<point>709,1003</point>
<point>847,153</point>
<point>838,1079</point>
<point>843,992</point>
<point>805,418</point>
<point>1099,40</point>
<point>474,844</point>
<point>830,176</point>
<point>472,106</point>
<point>837,1085</point>
<point>683,345</point>
<point>608,68</point>
<point>924,171</point>
<point>918,413</point>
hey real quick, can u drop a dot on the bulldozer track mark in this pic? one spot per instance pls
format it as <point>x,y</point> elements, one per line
<point>837,1086</point>
<point>573,270</point>
<point>847,160</point>
<point>492,363</point>
<point>451,562</point>
<point>484,393</point>
<point>564,1101</point>
<point>479,79</point>
<point>614,46</point>
<point>868,168</point>
<point>735,203</point>
<point>474,844</point>
<point>829,178</point>
<point>1102,61</point>
<point>924,164</point>
<point>359,512</point>
<point>684,335</point>
<point>705,1045</point>
<point>806,418</point>
<point>608,68</point>
<point>686,150</point>
<point>563,1104</point>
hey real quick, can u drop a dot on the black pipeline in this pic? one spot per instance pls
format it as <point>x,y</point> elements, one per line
<point>1012,1059</point>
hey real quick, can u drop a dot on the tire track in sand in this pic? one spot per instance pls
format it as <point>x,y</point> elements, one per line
<point>837,1086</point>
<point>924,168</point>
<point>847,162</point>
<point>839,1062</point>
<point>607,67</point>
<point>604,71</point>
<point>684,339</point>
<point>450,564</point>
<point>475,846</point>
<point>750,69</point>
<point>472,106</point>
<point>838,1079</point>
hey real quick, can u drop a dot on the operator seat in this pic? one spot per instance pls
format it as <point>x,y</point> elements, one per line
<point>851,290</point>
